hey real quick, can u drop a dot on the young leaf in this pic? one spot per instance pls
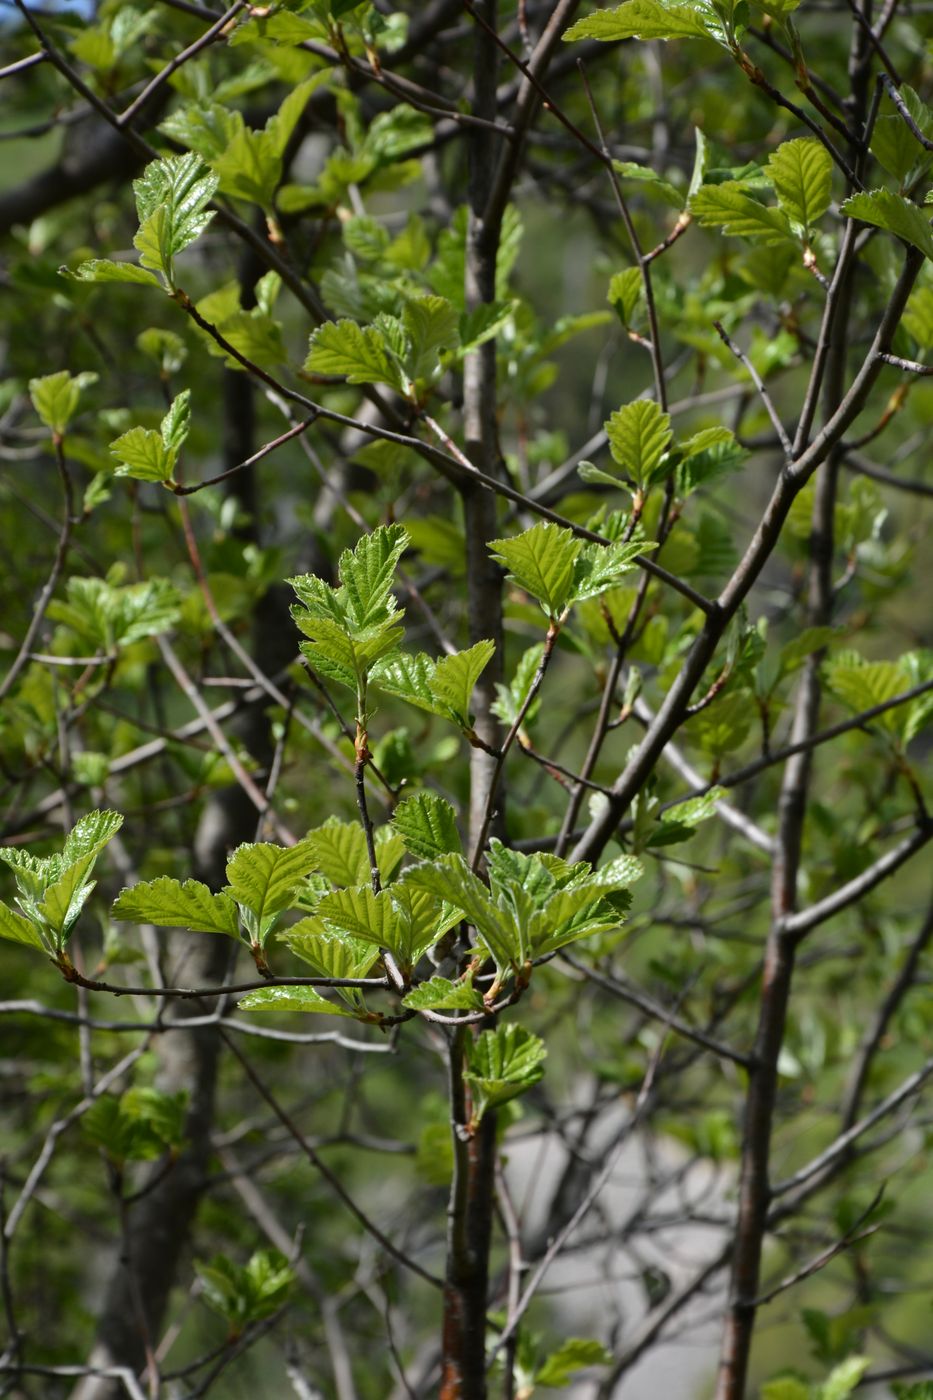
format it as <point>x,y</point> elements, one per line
<point>573,1355</point>
<point>640,19</point>
<point>103,270</point>
<point>292,999</point>
<point>600,566</point>
<point>55,397</point>
<point>501,1065</point>
<point>440,995</point>
<point>359,353</point>
<point>90,834</point>
<point>142,454</point>
<point>175,424</point>
<point>339,852</point>
<point>172,195</point>
<point>728,207</point>
<point>455,676</point>
<point>409,677</point>
<point>367,571</point>
<point>639,435</point>
<point>893,212</point>
<point>168,903</point>
<point>511,698</point>
<point>801,172</point>
<point>263,878</point>
<point>17,929</point>
<point>433,326</point>
<point>427,824</point>
<point>541,560</point>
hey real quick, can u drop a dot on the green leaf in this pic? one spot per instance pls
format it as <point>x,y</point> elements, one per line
<point>451,879</point>
<point>440,995</point>
<point>573,1355</point>
<point>409,677</point>
<point>427,824</point>
<point>433,325</point>
<point>893,212</point>
<point>844,1378</point>
<point>511,698</point>
<point>339,852</point>
<point>174,426</point>
<point>626,291</point>
<point>918,317</point>
<point>292,999</point>
<point>358,353</point>
<point>17,929</point>
<point>600,566</point>
<point>801,172</point>
<point>264,877</point>
<point>66,897</point>
<point>103,270</point>
<point>541,560</point>
<point>171,200</point>
<point>786,1388</point>
<point>55,397</point>
<point>639,435</point>
<point>640,19</point>
<point>502,1064</point>
<point>367,572</point>
<point>142,454</point>
<point>728,207</point>
<point>709,454</point>
<point>455,676</point>
<point>90,834</point>
<point>644,175</point>
<point>168,903</point>
<point>246,1295</point>
<point>331,954</point>
<point>863,684</point>
<point>484,322</point>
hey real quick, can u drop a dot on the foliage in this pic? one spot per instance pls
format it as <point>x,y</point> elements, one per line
<point>566,823</point>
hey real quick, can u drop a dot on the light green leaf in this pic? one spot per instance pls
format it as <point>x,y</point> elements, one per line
<point>362,914</point>
<point>501,1065</point>
<point>293,999</point>
<point>918,317</point>
<point>801,172</point>
<point>172,196</point>
<point>451,879</point>
<point>331,954</point>
<point>440,995</point>
<point>573,1355</point>
<point>484,322</point>
<point>727,206</point>
<point>17,929</point>
<point>409,677</point>
<point>455,676</point>
<point>541,560</point>
<point>433,325</point>
<point>600,566</point>
<point>640,19</point>
<point>90,834</point>
<point>264,877</point>
<point>639,435</point>
<point>844,1378</point>
<point>103,270</point>
<point>55,397</point>
<point>358,353</point>
<point>66,897</point>
<point>168,903</point>
<point>339,852</point>
<point>786,1388</point>
<point>367,572</point>
<point>887,210</point>
<point>174,426</point>
<point>644,175</point>
<point>626,291</point>
<point>427,824</point>
<point>511,698</point>
<point>142,454</point>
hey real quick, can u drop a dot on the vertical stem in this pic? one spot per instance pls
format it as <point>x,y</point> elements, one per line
<point>469,1232</point>
<point>755,1185</point>
<point>484,600</point>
